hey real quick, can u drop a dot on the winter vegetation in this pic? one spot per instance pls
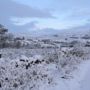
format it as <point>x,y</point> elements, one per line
<point>40,63</point>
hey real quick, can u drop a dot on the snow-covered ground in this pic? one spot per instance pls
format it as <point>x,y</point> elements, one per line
<point>24,69</point>
<point>80,79</point>
<point>85,79</point>
<point>45,64</point>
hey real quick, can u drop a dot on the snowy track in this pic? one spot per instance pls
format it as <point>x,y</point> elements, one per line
<point>85,83</point>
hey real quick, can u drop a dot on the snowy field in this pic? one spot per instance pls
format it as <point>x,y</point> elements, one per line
<point>44,69</point>
<point>44,63</point>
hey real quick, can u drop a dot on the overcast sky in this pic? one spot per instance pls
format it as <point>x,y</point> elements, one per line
<point>41,14</point>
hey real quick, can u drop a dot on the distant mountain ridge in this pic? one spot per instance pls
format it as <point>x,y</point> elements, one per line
<point>80,30</point>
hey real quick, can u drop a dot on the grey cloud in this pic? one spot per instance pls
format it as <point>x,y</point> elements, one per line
<point>10,8</point>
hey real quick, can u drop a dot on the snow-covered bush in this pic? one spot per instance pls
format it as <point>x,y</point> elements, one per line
<point>24,73</point>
